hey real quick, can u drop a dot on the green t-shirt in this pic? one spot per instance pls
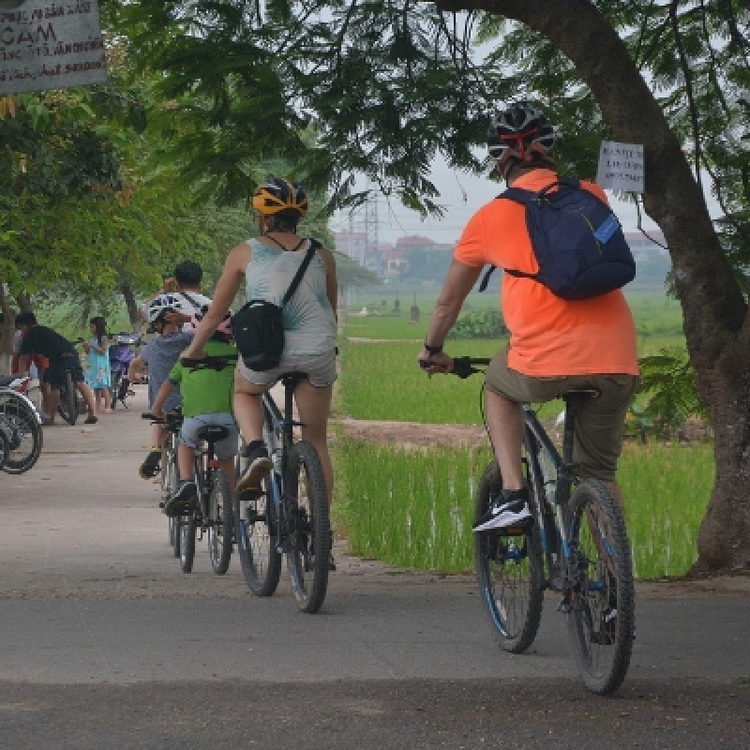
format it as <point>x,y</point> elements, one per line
<point>206,391</point>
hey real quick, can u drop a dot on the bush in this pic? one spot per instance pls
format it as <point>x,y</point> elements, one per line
<point>485,324</point>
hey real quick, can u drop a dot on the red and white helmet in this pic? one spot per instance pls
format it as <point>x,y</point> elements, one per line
<point>224,327</point>
<point>521,131</point>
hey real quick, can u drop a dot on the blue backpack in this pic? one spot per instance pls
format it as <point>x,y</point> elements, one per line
<point>577,240</point>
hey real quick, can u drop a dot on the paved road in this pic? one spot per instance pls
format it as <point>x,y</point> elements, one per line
<point>107,645</point>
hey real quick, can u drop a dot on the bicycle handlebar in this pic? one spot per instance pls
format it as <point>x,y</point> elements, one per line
<point>209,362</point>
<point>463,367</point>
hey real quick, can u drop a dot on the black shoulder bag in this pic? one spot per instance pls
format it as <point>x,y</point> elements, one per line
<point>257,327</point>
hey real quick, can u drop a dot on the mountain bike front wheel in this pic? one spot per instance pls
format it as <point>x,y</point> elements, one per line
<point>309,557</point>
<point>220,523</point>
<point>601,620</point>
<point>509,570</point>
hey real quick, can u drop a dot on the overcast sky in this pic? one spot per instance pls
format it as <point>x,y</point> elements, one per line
<point>462,195</point>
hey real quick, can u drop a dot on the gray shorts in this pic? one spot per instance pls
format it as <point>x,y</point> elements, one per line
<point>600,421</point>
<point>225,448</point>
<point>319,368</point>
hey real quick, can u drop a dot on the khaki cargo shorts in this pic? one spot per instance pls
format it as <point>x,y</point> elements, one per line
<point>600,422</point>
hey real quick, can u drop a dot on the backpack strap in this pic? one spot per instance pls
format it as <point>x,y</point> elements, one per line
<point>191,300</point>
<point>517,195</point>
<point>314,245</point>
<point>524,197</point>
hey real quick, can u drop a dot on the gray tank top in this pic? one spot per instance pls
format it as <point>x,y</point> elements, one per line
<point>309,319</point>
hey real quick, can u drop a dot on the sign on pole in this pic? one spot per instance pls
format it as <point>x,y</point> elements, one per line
<point>621,167</point>
<point>50,45</point>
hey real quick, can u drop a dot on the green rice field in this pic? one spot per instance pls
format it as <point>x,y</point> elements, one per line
<point>414,508</point>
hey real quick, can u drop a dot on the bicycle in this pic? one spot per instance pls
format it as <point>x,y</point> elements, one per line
<point>290,515</point>
<point>120,356</point>
<point>170,474</point>
<point>213,513</point>
<point>21,426</point>
<point>72,404</point>
<point>577,546</point>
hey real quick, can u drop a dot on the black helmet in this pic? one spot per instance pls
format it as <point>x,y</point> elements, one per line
<point>520,131</point>
<point>278,195</point>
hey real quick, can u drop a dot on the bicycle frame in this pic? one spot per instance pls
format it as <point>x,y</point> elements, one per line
<point>279,436</point>
<point>553,488</point>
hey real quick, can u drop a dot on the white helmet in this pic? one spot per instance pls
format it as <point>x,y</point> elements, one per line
<point>160,304</point>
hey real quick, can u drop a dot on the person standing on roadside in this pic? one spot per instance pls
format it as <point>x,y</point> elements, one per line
<point>99,373</point>
<point>61,355</point>
<point>555,345</point>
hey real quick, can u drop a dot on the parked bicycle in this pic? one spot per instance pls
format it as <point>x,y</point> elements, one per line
<point>577,546</point>
<point>213,514</point>
<point>72,404</point>
<point>290,516</point>
<point>21,422</point>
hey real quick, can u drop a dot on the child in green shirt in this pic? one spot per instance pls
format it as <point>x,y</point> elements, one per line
<point>206,400</point>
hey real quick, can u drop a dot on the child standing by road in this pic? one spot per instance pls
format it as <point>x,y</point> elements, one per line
<point>207,391</point>
<point>159,356</point>
<point>98,375</point>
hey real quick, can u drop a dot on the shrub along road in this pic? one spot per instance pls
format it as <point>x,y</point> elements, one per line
<point>107,645</point>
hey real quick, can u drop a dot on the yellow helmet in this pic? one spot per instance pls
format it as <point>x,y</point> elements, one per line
<point>278,195</point>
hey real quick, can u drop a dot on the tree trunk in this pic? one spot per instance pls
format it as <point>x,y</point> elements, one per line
<point>132,306</point>
<point>714,309</point>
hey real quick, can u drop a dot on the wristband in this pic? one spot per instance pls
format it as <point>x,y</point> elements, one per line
<point>433,349</point>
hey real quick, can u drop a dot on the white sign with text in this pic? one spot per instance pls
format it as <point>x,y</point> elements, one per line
<point>621,167</point>
<point>50,45</point>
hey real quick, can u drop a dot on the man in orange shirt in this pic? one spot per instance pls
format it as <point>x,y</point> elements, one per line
<point>555,345</point>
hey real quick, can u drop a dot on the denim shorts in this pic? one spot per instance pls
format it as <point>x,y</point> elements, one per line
<point>600,421</point>
<point>225,448</point>
<point>319,368</point>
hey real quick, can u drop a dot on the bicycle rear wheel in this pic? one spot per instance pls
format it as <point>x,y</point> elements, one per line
<point>256,530</point>
<point>23,432</point>
<point>220,523</point>
<point>510,574</point>
<point>187,529</point>
<point>68,407</point>
<point>310,528</point>
<point>601,621</point>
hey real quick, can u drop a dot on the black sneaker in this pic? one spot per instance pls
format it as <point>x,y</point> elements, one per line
<point>508,509</point>
<point>150,467</point>
<point>183,501</point>
<point>258,467</point>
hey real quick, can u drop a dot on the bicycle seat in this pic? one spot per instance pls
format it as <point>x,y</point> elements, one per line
<point>212,433</point>
<point>7,379</point>
<point>293,377</point>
